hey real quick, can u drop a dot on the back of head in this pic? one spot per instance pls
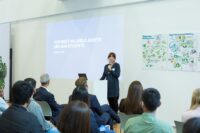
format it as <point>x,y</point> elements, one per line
<point>195,99</point>
<point>31,81</point>
<point>81,82</point>
<point>80,94</point>
<point>44,79</point>
<point>75,118</point>
<point>21,92</point>
<point>151,99</point>
<point>134,98</point>
<point>192,126</point>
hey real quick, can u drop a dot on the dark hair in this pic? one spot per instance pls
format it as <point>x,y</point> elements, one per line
<point>46,83</point>
<point>151,99</point>
<point>132,103</point>
<point>75,118</point>
<point>81,94</point>
<point>112,54</point>
<point>192,126</point>
<point>21,92</point>
<point>31,81</point>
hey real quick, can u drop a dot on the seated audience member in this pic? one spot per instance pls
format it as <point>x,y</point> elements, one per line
<point>194,110</point>
<point>104,113</point>
<point>81,94</point>
<point>42,94</point>
<point>147,122</point>
<point>16,119</point>
<point>132,104</point>
<point>3,104</point>
<point>192,125</point>
<point>75,118</point>
<point>35,108</point>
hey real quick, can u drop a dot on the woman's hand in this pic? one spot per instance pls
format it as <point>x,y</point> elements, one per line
<point>109,67</point>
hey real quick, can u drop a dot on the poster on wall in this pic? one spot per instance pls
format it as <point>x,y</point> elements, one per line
<point>178,52</point>
<point>154,51</point>
<point>5,58</point>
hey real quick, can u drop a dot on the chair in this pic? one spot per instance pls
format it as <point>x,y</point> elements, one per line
<point>179,126</point>
<point>124,118</point>
<point>46,109</point>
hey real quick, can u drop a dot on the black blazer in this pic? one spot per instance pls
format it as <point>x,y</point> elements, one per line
<point>112,78</point>
<point>16,119</point>
<point>93,103</point>
<point>43,95</point>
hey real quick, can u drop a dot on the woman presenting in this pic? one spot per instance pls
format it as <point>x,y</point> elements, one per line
<point>111,74</point>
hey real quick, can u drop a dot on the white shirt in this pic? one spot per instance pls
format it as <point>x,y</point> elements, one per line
<point>190,114</point>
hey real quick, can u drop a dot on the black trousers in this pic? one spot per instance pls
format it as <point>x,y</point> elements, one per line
<point>113,102</point>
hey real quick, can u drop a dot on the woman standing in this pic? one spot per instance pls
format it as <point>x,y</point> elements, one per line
<point>111,74</point>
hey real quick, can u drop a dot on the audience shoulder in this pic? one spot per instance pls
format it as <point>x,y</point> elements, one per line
<point>165,126</point>
<point>133,120</point>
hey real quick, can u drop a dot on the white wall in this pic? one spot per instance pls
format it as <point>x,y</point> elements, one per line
<point>175,16</point>
<point>13,10</point>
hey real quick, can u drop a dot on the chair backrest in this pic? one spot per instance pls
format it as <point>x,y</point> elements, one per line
<point>179,126</point>
<point>124,118</point>
<point>45,108</point>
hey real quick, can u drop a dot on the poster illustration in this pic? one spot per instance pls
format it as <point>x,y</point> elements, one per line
<point>154,51</point>
<point>172,52</point>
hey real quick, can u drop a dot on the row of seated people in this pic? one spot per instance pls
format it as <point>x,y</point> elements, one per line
<point>138,101</point>
<point>144,103</point>
<point>100,115</point>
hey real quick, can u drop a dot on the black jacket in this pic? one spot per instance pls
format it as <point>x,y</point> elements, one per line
<point>16,119</point>
<point>112,78</point>
<point>43,95</point>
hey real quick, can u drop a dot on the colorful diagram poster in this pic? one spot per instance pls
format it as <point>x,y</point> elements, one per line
<point>172,52</point>
<point>155,51</point>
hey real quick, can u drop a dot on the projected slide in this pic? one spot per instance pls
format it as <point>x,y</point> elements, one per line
<point>82,46</point>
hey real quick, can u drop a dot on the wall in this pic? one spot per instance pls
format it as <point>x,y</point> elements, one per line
<point>28,42</point>
<point>13,10</point>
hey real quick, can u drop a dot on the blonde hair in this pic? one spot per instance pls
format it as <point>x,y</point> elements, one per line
<point>81,82</point>
<point>195,99</point>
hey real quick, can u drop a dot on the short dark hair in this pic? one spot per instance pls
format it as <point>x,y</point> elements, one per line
<point>112,54</point>
<point>192,126</point>
<point>21,92</point>
<point>75,118</point>
<point>80,94</point>
<point>31,81</point>
<point>151,99</point>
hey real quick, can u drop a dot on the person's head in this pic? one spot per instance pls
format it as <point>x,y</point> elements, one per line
<point>21,92</point>
<point>75,118</point>
<point>81,82</point>
<point>111,57</point>
<point>31,81</point>
<point>45,79</point>
<point>195,99</point>
<point>151,100</point>
<point>134,98</point>
<point>192,126</point>
<point>80,94</point>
